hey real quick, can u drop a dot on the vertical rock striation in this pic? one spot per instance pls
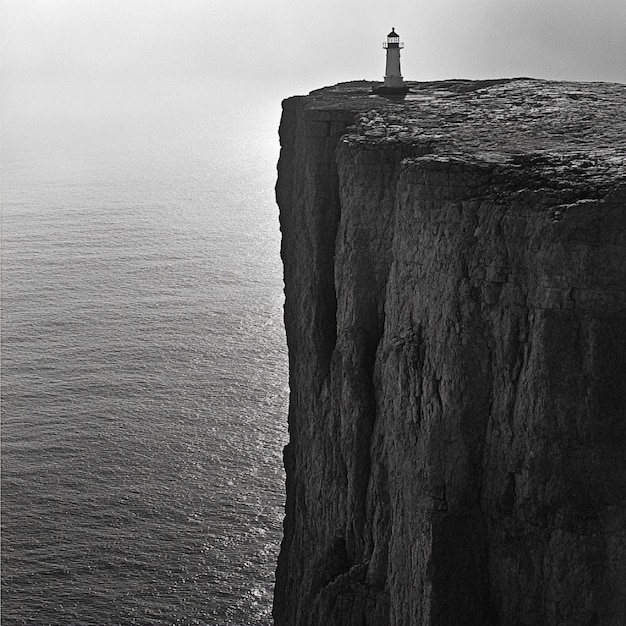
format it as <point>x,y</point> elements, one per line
<point>455,281</point>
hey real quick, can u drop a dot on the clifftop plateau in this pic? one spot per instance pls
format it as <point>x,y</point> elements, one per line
<point>455,307</point>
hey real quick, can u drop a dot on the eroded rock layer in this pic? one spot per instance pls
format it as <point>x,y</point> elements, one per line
<point>455,281</point>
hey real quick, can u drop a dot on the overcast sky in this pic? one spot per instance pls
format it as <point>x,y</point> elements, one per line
<point>297,46</point>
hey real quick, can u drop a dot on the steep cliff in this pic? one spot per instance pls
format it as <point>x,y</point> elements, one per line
<point>455,281</point>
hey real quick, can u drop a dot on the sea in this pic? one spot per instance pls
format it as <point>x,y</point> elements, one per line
<point>144,367</point>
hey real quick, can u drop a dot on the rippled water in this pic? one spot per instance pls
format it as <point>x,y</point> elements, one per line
<point>144,376</point>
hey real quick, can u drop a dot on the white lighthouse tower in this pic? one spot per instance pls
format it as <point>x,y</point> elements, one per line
<point>393,76</point>
<point>394,83</point>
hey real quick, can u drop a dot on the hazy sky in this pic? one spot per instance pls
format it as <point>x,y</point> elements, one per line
<point>295,46</point>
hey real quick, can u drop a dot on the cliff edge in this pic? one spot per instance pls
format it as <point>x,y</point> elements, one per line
<point>455,307</point>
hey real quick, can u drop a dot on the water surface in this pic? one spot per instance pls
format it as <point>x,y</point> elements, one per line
<point>143,363</point>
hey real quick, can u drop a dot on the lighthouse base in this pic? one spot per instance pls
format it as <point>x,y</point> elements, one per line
<point>391,91</point>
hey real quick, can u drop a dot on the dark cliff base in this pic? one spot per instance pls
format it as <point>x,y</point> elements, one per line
<point>455,279</point>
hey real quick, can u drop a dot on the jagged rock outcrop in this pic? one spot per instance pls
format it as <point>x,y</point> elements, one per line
<point>455,280</point>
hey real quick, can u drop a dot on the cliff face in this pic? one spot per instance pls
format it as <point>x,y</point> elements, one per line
<point>455,280</point>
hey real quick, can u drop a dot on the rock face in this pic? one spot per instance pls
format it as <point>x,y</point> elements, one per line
<point>455,280</point>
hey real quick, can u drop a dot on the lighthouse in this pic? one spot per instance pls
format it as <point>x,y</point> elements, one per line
<point>394,83</point>
<point>393,77</point>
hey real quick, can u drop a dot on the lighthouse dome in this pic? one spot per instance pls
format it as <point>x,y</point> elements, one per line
<point>393,33</point>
